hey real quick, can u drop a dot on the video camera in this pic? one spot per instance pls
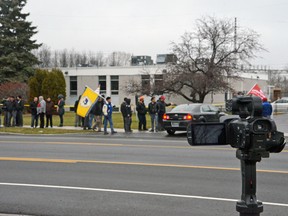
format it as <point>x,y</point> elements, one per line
<point>248,131</point>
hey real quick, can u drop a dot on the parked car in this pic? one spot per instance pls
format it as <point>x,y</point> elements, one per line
<point>179,117</point>
<point>280,105</point>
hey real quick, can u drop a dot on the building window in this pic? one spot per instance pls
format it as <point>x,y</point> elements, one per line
<point>102,83</point>
<point>73,85</point>
<point>114,85</point>
<point>146,87</point>
<point>158,83</point>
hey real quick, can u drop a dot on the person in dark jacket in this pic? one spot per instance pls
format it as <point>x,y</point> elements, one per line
<point>7,108</point>
<point>49,112</point>
<point>78,119</point>
<point>153,112</point>
<point>267,108</point>
<point>60,109</point>
<point>122,109</point>
<point>161,111</point>
<point>127,114</point>
<point>97,112</point>
<point>19,109</point>
<point>34,115</point>
<point>141,109</point>
<point>13,111</point>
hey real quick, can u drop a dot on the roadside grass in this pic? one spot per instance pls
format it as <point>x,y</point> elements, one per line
<point>19,130</point>
<point>69,120</point>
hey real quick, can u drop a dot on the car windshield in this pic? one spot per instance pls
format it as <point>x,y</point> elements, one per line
<point>185,108</point>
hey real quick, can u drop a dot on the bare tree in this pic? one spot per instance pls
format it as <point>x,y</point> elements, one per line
<point>55,59</point>
<point>63,58</point>
<point>119,59</point>
<point>44,56</point>
<point>72,58</point>
<point>278,79</point>
<point>100,60</point>
<point>206,56</point>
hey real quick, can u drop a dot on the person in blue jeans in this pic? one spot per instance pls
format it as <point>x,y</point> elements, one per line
<point>107,111</point>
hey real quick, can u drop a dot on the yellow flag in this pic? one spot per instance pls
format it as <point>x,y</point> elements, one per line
<point>87,100</point>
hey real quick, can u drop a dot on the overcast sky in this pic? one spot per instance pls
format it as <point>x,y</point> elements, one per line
<point>147,27</point>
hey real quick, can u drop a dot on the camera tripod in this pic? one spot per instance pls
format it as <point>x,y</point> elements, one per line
<point>249,205</point>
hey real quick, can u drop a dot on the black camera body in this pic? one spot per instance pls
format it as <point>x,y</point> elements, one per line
<point>254,137</point>
<point>249,131</point>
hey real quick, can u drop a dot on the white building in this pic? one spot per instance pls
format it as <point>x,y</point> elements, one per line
<point>115,81</point>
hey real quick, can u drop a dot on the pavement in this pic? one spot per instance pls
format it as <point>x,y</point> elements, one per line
<point>280,120</point>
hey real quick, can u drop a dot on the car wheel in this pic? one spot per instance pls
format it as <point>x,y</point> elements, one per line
<point>171,132</point>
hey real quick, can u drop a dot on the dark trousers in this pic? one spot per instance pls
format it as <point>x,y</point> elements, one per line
<point>34,120</point>
<point>7,119</point>
<point>61,120</point>
<point>12,118</point>
<point>160,121</point>
<point>41,115</point>
<point>142,122</point>
<point>127,124</point>
<point>49,120</point>
<point>19,118</point>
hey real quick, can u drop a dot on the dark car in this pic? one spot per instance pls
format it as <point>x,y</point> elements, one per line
<point>179,117</point>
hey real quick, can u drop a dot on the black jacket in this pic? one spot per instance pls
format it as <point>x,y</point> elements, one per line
<point>152,108</point>
<point>126,108</point>
<point>141,109</point>
<point>33,108</point>
<point>162,106</point>
<point>76,105</point>
<point>97,108</point>
<point>10,106</point>
<point>20,105</point>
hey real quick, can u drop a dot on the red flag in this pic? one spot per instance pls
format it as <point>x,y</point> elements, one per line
<point>255,90</point>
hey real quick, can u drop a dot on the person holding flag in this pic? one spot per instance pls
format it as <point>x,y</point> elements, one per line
<point>267,107</point>
<point>86,102</point>
<point>107,111</point>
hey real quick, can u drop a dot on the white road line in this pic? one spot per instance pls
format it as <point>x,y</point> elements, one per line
<point>133,192</point>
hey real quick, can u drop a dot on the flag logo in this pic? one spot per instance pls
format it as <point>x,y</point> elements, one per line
<point>85,102</point>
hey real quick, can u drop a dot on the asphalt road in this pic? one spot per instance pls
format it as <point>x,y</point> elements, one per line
<point>117,175</point>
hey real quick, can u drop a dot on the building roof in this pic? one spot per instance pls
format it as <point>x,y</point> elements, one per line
<point>140,70</point>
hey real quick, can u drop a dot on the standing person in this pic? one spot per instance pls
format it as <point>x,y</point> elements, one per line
<point>6,104</point>
<point>161,111</point>
<point>141,109</point>
<point>127,115</point>
<point>78,119</point>
<point>34,114</point>
<point>97,111</point>
<point>60,109</point>
<point>152,109</point>
<point>91,117</point>
<point>49,112</point>
<point>41,110</point>
<point>122,109</point>
<point>267,108</point>
<point>107,111</point>
<point>20,109</point>
<point>13,111</point>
